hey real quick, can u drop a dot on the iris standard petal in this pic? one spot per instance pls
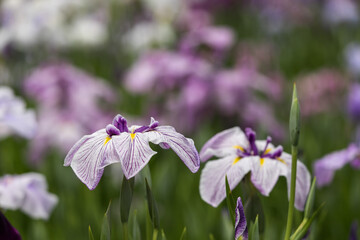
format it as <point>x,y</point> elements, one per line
<point>184,147</point>
<point>325,167</point>
<point>212,179</point>
<point>240,221</point>
<point>265,173</point>
<point>90,155</point>
<point>134,152</point>
<point>223,143</point>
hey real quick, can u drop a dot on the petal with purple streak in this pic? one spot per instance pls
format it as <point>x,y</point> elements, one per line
<point>183,147</point>
<point>265,173</point>
<point>212,179</point>
<point>325,167</point>
<point>134,152</point>
<point>223,143</point>
<point>240,221</point>
<point>90,155</point>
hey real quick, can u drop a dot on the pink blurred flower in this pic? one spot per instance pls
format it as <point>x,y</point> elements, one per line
<point>320,91</point>
<point>68,102</point>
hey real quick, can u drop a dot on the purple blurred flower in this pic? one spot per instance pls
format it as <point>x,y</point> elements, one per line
<point>241,231</point>
<point>68,98</point>
<point>162,70</point>
<point>338,11</point>
<point>217,38</point>
<point>352,57</point>
<point>353,231</point>
<point>320,91</point>
<point>239,154</point>
<point>27,192</point>
<point>127,145</point>
<point>14,117</point>
<point>353,104</point>
<point>7,231</point>
<point>326,166</point>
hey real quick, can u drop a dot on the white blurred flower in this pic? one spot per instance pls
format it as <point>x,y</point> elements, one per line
<point>146,35</point>
<point>337,11</point>
<point>352,57</point>
<point>58,23</point>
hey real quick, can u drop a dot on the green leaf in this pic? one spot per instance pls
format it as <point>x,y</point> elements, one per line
<point>153,210</point>
<point>163,237</point>
<point>127,189</point>
<point>305,225</point>
<point>183,234</point>
<point>310,200</point>
<point>211,237</point>
<point>136,234</point>
<point>254,230</point>
<point>91,236</point>
<point>105,228</point>
<point>254,209</point>
<point>294,123</point>
<point>230,201</point>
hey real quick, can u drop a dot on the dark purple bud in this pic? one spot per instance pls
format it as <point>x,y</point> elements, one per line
<point>141,129</point>
<point>120,123</point>
<point>7,231</point>
<point>353,231</point>
<point>251,136</point>
<point>112,130</point>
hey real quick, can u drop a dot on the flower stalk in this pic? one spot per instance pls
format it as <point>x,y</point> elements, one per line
<point>294,127</point>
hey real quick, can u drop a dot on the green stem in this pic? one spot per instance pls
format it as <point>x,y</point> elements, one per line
<point>155,234</point>
<point>125,231</point>
<point>294,152</point>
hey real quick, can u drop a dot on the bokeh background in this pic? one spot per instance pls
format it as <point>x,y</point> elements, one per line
<point>199,65</point>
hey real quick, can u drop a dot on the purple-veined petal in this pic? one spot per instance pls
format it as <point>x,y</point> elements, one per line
<point>265,173</point>
<point>90,155</point>
<point>325,167</point>
<point>134,152</point>
<point>212,179</point>
<point>223,143</point>
<point>183,147</point>
<point>303,181</point>
<point>7,231</point>
<point>240,221</point>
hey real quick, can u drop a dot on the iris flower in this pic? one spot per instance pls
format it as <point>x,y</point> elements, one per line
<point>239,154</point>
<point>241,231</point>
<point>325,167</point>
<point>127,145</point>
<point>27,192</point>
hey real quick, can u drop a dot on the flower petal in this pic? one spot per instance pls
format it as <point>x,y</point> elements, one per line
<point>325,167</point>
<point>134,152</point>
<point>90,155</point>
<point>240,221</point>
<point>212,179</point>
<point>39,203</point>
<point>223,143</point>
<point>166,136</point>
<point>265,173</point>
